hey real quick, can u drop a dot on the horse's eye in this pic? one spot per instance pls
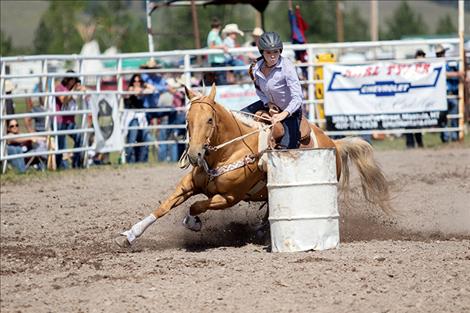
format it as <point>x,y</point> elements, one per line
<point>210,121</point>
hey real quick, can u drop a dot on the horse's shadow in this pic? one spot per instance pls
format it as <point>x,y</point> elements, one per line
<point>234,234</point>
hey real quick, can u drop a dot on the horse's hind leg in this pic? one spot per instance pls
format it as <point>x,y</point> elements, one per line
<point>216,202</point>
<point>184,190</point>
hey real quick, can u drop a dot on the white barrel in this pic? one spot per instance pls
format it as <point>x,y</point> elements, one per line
<point>303,207</point>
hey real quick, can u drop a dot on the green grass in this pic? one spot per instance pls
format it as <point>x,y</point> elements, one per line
<point>31,175</point>
<point>430,140</point>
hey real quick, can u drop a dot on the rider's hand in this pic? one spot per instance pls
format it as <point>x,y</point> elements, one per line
<point>279,117</point>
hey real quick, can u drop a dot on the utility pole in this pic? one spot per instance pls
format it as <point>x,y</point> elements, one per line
<point>149,10</point>
<point>258,20</point>
<point>374,20</point>
<point>197,39</point>
<point>461,68</point>
<point>339,21</point>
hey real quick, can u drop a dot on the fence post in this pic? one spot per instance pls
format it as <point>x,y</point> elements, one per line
<point>121,107</point>
<point>3,145</point>
<point>311,86</point>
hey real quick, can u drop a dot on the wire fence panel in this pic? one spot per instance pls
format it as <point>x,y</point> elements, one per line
<point>113,80</point>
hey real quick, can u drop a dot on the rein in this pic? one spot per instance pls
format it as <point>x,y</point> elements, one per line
<point>212,148</point>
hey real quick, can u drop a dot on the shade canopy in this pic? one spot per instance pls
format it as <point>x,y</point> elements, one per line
<point>259,5</point>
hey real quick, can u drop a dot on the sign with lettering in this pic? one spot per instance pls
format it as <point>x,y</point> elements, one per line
<point>236,97</point>
<point>384,95</point>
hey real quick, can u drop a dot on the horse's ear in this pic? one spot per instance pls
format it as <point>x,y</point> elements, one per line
<point>212,93</point>
<point>189,93</point>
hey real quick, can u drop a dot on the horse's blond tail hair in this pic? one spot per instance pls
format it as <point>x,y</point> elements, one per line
<point>373,182</point>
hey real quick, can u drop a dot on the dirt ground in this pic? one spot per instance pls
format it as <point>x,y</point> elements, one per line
<point>57,253</point>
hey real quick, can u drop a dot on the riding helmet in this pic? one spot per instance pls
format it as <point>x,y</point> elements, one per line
<point>269,41</point>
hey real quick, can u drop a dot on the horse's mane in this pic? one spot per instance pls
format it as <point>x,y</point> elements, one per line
<point>246,119</point>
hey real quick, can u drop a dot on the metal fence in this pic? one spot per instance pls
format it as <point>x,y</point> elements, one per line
<point>180,62</point>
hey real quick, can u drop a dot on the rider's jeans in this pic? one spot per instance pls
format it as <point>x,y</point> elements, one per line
<point>291,138</point>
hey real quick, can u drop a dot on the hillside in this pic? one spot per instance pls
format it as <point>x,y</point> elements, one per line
<point>19,19</point>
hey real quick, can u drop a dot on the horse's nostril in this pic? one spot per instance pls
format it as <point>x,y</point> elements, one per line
<point>199,154</point>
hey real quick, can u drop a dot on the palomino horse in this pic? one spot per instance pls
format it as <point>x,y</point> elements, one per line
<point>223,152</point>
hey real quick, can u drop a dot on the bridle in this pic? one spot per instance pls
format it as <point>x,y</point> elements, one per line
<point>207,145</point>
<point>248,159</point>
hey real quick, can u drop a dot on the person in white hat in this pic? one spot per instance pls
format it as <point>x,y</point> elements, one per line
<point>255,34</point>
<point>231,33</point>
<point>214,41</point>
<point>9,104</point>
<point>452,80</point>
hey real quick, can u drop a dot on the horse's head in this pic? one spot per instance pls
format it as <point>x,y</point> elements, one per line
<point>201,121</point>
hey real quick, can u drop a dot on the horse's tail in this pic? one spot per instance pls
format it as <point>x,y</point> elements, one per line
<point>373,182</point>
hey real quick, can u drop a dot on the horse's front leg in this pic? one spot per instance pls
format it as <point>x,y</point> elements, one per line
<point>216,202</point>
<point>184,190</point>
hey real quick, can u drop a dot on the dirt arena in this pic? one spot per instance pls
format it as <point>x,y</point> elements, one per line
<point>57,253</point>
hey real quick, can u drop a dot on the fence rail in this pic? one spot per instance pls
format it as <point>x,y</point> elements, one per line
<point>189,69</point>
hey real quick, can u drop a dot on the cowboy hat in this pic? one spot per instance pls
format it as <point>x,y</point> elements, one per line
<point>174,83</point>
<point>440,48</point>
<point>232,28</point>
<point>9,86</point>
<point>151,63</point>
<point>257,32</point>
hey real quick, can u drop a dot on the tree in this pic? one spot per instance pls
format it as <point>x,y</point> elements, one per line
<point>116,26</point>
<point>405,22</point>
<point>319,15</point>
<point>6,47</point>
<point>355,27</point>
<point>56,32</point>
<point>445,26</point>
<point>172,26</point>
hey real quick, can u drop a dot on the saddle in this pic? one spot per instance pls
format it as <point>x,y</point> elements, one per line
<point>277,131</point>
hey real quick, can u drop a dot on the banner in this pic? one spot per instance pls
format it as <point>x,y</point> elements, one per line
<point>236,97</point>
<point>384,95</point>
<point>105,114</point>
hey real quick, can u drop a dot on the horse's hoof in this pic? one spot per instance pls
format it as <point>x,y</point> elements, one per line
<point>192,223</point>
<point>122,242</point>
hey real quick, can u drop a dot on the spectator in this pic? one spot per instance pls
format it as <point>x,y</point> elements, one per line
<point>133,119</point>
<point>9,103</point>
<point>253,56</point>
<point>153,100</point>
<point>67,122</point>
<point>298,28</point>
<point>214,41</point>
<point>231,33</point>
<point>278,87</point>
<point>453,76</point>
<point>174,151</point>
<point>22,145</point>
<point>417,138</point>
<point>36,105</point>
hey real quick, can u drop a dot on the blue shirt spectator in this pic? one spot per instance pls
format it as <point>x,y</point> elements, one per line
<point>452,82</point>
<point>452,77</point>
<point>160,85</point>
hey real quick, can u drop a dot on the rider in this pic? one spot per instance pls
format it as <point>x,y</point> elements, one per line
<point>278,87</point>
